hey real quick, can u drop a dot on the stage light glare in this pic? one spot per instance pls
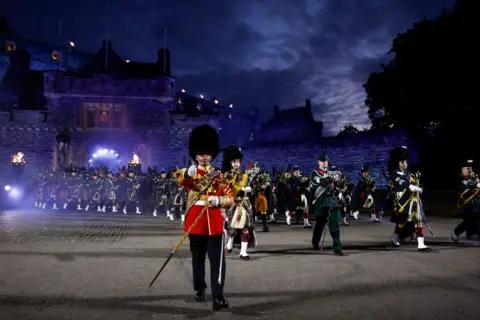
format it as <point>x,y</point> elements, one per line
<point>15,194</point>
<point>7,188</point>
<point>94,155</point>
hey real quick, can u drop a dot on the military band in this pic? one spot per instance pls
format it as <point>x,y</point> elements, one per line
<point>219,207</point>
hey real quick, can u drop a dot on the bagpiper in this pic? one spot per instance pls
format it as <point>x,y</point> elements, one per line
<point>408,210</point>
<point>300,188</point>
<point>326,203</point>
<point>362,197</point>
<point>241,225</point>
<point>468,203</point>
<point>204,222</point>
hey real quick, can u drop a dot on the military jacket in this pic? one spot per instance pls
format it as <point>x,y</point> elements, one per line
<point>320,180</point>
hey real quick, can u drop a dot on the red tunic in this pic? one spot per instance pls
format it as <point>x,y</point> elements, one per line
<point>212,221</point>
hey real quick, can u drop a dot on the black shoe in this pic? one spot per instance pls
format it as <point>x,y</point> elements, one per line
<point>244,257</point>
<point>316,247</point>
<point>338,253</point>
<point>265,229</point>
<point>219,303</point>
<point>427,249</point>
<point>200,296</point>
<point>229,250</point>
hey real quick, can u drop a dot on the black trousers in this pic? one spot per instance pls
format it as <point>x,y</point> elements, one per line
<point>200,246</point>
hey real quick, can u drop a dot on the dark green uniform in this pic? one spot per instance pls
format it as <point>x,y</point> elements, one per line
<point>327,209</point>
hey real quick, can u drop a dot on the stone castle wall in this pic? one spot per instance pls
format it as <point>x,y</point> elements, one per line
<point>169,145</point>
<point>105,86</point>
<point>349,154</point>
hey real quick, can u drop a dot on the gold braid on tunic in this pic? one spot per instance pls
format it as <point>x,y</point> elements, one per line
<point>238,183</point>
<point>198,190</point>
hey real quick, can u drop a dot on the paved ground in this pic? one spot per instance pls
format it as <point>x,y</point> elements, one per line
<point>98,266</point>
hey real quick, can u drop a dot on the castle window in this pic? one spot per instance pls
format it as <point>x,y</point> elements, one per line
<point>103,117</point>
<point>10,46</point>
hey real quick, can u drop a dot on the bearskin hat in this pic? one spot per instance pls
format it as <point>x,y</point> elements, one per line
<point>295,168</point>
<point>230,154</point>
<point>204,139</point>
<point>468,164</point>
<point>396,155</point>
<point>364,169</point>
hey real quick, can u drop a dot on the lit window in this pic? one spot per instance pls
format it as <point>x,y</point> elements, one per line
<point>104,117</point>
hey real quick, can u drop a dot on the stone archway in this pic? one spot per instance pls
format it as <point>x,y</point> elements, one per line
<point>62,150</point>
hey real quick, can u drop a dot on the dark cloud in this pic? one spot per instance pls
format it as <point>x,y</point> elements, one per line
<point>253,53</point>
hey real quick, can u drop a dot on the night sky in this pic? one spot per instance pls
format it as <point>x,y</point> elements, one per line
<point>252,53</point>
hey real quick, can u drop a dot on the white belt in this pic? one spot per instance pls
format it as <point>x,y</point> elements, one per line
<point>200,203</point>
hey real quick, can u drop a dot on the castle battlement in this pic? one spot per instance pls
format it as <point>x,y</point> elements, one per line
<point>107,85</point>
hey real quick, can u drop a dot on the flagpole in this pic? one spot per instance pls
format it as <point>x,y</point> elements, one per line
<point>106,36</point>
<point>165,53</point>
<point>59,35</point>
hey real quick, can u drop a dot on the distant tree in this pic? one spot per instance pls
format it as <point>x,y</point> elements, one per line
<point>5,28</point>
<point>348,129</point>
<point>429,82</point>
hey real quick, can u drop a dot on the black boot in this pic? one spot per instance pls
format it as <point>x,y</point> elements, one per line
<point>219,303</point>
<point>264,221</point>
<point>200,296</point>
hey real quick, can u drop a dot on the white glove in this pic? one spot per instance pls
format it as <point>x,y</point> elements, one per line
<point>415,189</point>
<point>340,196</point>
<point>478,185</point>
<point>316,179</point>
<point>247,189</point>
<point>304,199</point>
<point>214,201</point>
<point>192,171</point>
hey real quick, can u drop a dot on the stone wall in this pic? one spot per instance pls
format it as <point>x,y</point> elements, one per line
<point>36,142</point>
<point>169,144</point>
<point>370,149</point>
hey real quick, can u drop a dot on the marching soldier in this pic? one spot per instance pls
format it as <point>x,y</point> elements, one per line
<point>363,196</point>
<point>326,204</point>
<point>468,203</point>
<point>300,186</point>
<point>162,192</point>
<point>204,222</point>
<point>241,217</point>
<point>408,209</point>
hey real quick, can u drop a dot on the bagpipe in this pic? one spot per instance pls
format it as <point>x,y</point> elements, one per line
<point>469,193</point>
